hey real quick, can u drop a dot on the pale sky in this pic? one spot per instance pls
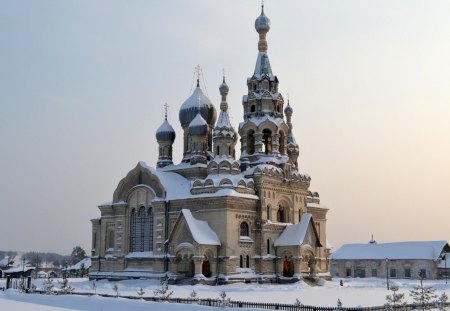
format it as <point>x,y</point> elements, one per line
<point>83,83</point>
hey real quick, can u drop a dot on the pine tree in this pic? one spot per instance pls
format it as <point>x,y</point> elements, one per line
<point>298,303</point>
<point>141,292</point>
<point>47,286</point>
<point>224,301</point>
<point>163,293</point>
<point>116,289</point>
<point>65,287</point>
<point>441,302</point>
<point>422,295</point>
<point>394,301</point>
<point>339,304</point>
<point>193,295</point>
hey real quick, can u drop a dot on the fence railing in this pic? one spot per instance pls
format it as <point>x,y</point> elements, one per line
<point>248,304</point>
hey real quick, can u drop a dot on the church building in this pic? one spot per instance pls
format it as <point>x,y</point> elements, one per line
<point>214,218</point>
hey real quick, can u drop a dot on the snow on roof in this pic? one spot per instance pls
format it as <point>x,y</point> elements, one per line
<point>165,127</point>
<point>316,205</point>
<point>427,250</point>
<point>200,230</point>
<point>294,235</point>
<point>19,269</point>
<point>86,262</point>
<point>4,262</point>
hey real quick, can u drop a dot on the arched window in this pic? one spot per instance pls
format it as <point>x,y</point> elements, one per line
<point>247,261</point>
<point>281,143</point>
<point>244,229</point>
<point>241,261</point>
<point>268,212</point>
<point>267,141</point>
<point>251,142</point>
<point>252,108</point>
<point>218,150</point>
<point>281,214</point>
<point>141,230</point>
<point>268,246</point>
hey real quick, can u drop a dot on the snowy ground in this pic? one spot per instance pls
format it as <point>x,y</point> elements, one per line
<point>355,292</point>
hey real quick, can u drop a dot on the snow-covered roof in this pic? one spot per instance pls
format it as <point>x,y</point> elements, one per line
<point>86,262</point>
<point>426,250</point>
<point>316,205</point>
<point>4,262</point>
<point>294,235</point>
<point>19,268</point>
<point>200,230</point>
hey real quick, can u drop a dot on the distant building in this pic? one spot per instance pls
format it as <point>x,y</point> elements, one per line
<point>19,271</point>
<point>79,269</point>
<point>400,260</point>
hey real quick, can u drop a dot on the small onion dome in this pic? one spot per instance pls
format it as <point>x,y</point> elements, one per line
<point>198,126</point>
<point>223,88</point>
<point>288,110</point>
<point>189,109</point>
<point>262,22</point>
<point>165,132</point>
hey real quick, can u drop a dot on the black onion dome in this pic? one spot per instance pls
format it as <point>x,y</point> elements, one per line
<point>165,132</point>
<point>189,109</point>
<point>198,126</point>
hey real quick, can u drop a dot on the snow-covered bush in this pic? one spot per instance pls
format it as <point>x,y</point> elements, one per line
<point>441,302</point>
<point>47,286</point>
<point>223,300</point>
<point>65,287</point>
<point>395,300</point>
<point>141,292</point>
<point>422,295</point>
<point>163,293</point>
<point>338,305</point>
<point>116,289</point>
<point>193,295</point>
<point>298,303</point>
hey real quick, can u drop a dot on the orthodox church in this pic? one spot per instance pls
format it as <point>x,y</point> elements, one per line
<point>214,218</point>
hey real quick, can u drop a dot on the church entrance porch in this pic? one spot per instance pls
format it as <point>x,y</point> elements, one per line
<point>288,268</point>
<point>206,268</point>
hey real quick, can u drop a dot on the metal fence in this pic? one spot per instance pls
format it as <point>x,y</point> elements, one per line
<point>254,305</point>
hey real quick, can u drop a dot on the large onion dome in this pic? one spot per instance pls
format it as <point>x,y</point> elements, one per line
<point>165,132</point>
<point>198,126</point>
<point>262,22</point>
<point>189,108</point>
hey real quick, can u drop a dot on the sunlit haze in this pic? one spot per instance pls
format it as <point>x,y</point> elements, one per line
<point>83,84</point>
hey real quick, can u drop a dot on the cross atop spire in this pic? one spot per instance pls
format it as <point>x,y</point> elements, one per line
<point>166,106</point>
<point>198,71</point>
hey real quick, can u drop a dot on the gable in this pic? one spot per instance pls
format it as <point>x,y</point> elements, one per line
<point>140,175</point>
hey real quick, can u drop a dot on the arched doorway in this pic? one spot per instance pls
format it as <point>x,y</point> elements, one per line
<point>206,268</point>
<point>288,268</point>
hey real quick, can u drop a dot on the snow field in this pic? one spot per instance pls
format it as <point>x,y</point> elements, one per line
<point>355,292</point>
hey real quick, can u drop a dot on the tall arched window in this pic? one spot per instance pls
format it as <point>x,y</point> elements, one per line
<point>267,141</point>
<point>244,229</point>
<point>251,142</point>
<point>241,261</point>
<point>268,212</point>
<point>281,214</point>
<point>247,261</point>
<point>268,246</point>
<point>141,230</point>
<point>281,143</point>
